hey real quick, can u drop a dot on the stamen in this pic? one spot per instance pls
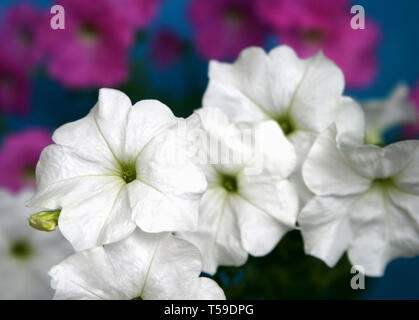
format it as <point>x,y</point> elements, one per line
<point>286,125</point>
<point>128,173</point>
<point>229,183</point>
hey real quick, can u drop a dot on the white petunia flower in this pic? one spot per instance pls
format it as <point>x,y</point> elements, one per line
<point>249,204</point>
<point>383,114</point>
<point>143,266</point>
<point>119,167</point>
<point>367,198</point>
<point>26,255</point>
<point>302,96</point>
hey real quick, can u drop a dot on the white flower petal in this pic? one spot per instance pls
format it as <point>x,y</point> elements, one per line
<point>376,162</point>
<point>212,120</point>
<point>273,153</point>
<point>286,71</point>
<point>241,89</point>
<point>177,266</point>
<point>218,237</point>
<point>206,289</point>
<point>65,177</point>
<point>155,211</point>
<point>408,177</point>
<point>147,119</point>
<point>302,141</point>
<point>112,125</point>
<point>350,123</point>
<point>276,197</point>
<point>153,266</point>
<point>382,114</point>
<point>168,189</point>
<point>260,232</point>
<point>127,131</point>
<point>85,139</point>
<point>325,227</point>
<point>326,172</point>
<point>98,220</point>
<point>227,147</point>
<point>385,226</point>
<point>162,163</point>
<point>316,101</point>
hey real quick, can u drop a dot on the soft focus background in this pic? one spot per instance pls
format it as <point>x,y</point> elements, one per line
<point>160,49</point>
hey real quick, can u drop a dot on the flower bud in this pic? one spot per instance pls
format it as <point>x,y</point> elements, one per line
<point>44,220</point>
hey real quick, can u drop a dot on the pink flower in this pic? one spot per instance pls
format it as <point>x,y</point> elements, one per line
<point>166,48</point>
<point>93,48</point>
<point>225,27</point>
<point>18,158</point>
<point>311,25</point>
<point>20,29</point>
<point>284,13</point>
<point>138,12</point>
<point>14,85</point>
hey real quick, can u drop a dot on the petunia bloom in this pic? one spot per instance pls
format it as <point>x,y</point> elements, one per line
<point>224,27</point>
<point>118,167</point>
<point>144,266</point>
<point>137,12</point>
<point>312,25</point>
<point>93,48</point>
<point>21,30</point>
<point>383,114</point>
<point>18,158</point>
<point>366,198</point>
<point>249,204</point>
<point>302,96</point>
<point>25,254</point>
<point>282,13</point>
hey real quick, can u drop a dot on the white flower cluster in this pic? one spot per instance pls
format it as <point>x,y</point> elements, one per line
<point>143,195</point>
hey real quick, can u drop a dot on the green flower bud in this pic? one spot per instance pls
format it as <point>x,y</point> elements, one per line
<point>44,220</point>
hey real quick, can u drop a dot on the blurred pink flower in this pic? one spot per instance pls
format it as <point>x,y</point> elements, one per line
<point>138,12</point>
<point>311,25</point>
<point>412,130</point>
<point>224,27</point>
<point>308,13</point>
<point>93,48</point>
<point>166,48</point>
<point>18,158</point>
<point>20,29</point>
<point>14,85</point>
